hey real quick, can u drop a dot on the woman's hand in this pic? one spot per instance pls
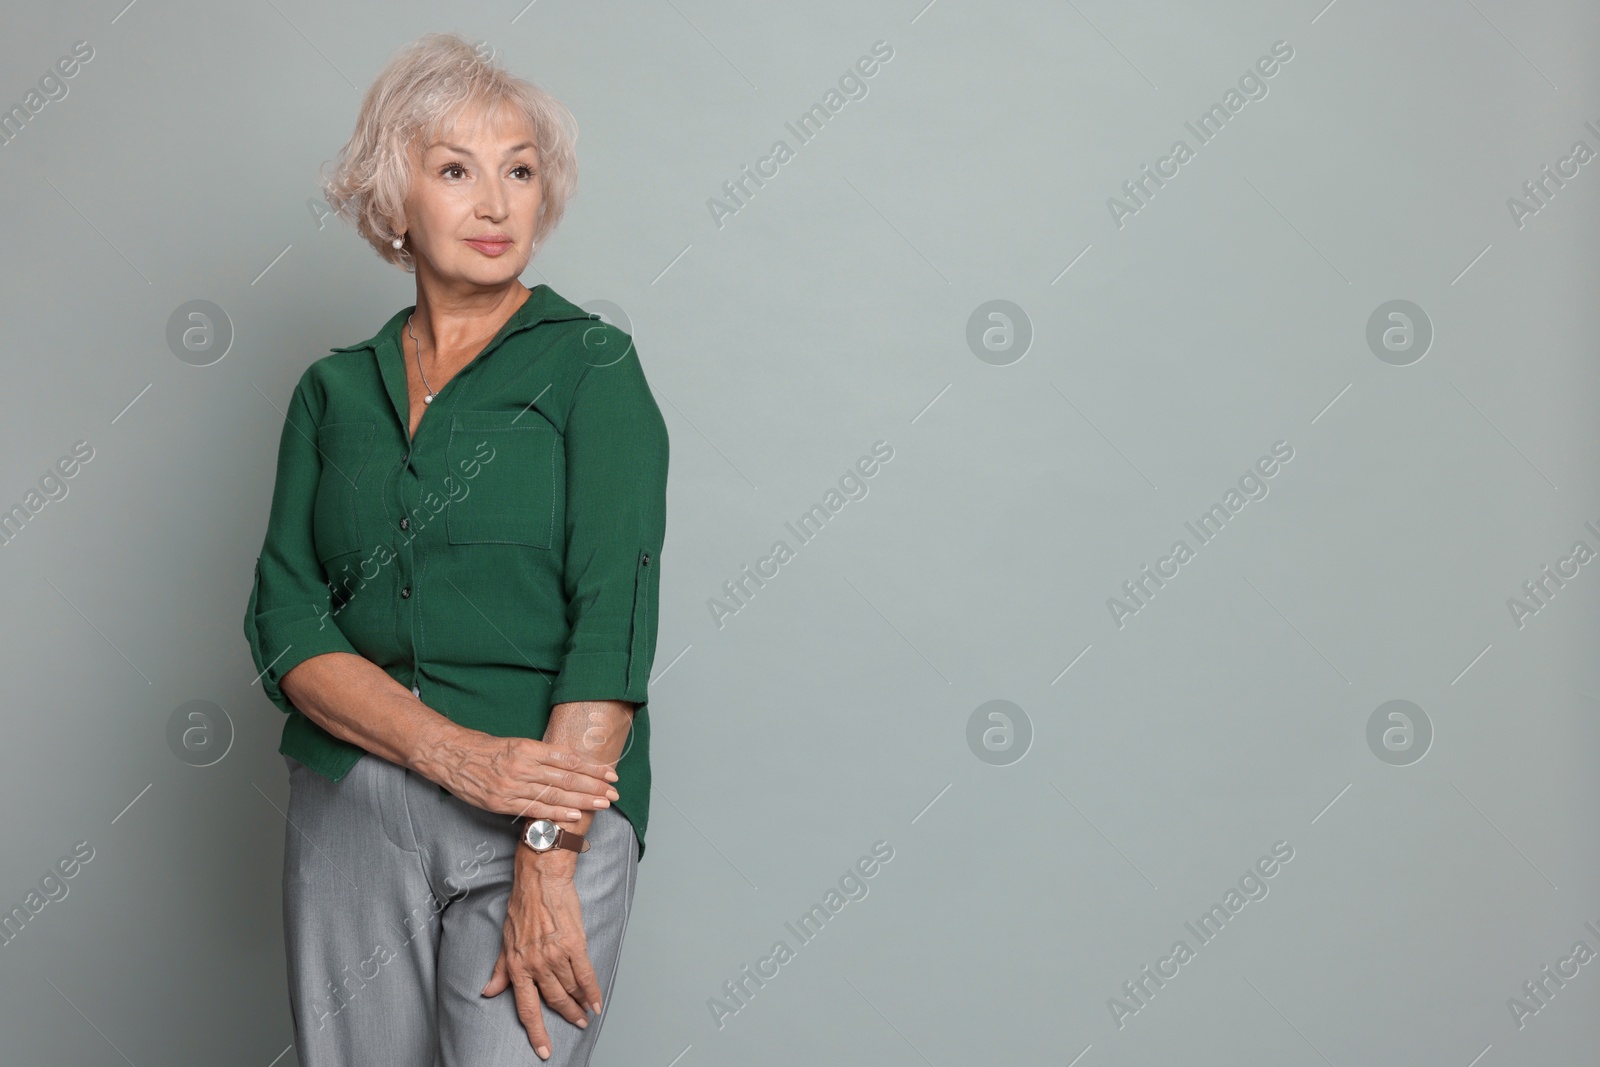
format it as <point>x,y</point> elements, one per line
<point>518,775</point>
<point>544,952</point>
<point>356,701</point>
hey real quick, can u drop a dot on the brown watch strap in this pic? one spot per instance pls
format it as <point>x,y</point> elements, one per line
<point>567,839</point>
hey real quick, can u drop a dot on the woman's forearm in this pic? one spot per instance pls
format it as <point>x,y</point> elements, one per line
<point>596,729</point>
<point>355,700</point>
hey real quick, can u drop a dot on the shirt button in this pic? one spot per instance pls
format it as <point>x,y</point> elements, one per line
<point>405,523</point>
<point>405,458</point>
<point>405,594</point>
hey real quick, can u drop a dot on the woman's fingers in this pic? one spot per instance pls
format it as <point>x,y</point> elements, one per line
<point>572,760</point>
<point>499,978</point>
<point>526,995</point>
<point>534,810</point>
<point>587,989</point>
<point>566,790</point>
<point>529,1010</point>
<point>556,986</point>
<point>560,766</point>
<point>556,803</point>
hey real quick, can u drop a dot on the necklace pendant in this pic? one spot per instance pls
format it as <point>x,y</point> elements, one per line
<point>428,398</point>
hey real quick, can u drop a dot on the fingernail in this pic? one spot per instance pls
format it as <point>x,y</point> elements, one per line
<point>543,1051</point>
<point>574,814</point>
<point>611,776</point>
<point>596,1006</point>
<point>612,794</point>
<point>583,1024</point>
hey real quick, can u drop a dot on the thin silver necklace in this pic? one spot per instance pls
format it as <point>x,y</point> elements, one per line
<point>429,394</point>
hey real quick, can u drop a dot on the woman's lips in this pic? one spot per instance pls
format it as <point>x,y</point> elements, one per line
<point>490,246</point>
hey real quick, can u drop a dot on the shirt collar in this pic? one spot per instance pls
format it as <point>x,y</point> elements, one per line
<point>544,304</point>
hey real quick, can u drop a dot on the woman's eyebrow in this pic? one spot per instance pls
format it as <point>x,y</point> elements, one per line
<point>513,150</point>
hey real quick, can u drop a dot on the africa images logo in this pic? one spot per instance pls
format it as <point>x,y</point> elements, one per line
<point>52,86</point>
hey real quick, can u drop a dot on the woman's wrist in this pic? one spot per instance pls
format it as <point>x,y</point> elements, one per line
<point>439,747</point>
<point>558,864</point>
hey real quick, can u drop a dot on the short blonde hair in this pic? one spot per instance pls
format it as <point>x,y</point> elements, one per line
<point>420,94</point>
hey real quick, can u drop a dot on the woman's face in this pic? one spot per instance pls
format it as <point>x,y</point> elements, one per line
<point>474,201</point>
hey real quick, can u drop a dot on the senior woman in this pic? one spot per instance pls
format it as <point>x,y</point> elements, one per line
<point>455,604</point>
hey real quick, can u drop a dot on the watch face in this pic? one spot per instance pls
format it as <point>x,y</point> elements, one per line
<point>541,835</point>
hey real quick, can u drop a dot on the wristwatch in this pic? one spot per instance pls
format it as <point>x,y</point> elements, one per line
<point>542,835</point>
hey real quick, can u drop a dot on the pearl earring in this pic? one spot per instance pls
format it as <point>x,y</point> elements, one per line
<point>397,242</point>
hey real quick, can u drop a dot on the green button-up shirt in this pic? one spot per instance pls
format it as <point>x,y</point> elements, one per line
<point>505,560</point>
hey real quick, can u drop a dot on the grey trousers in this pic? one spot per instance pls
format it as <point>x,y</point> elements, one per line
<point>394,898</point>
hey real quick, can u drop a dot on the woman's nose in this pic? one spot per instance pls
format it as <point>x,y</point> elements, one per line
<point>492,199</point>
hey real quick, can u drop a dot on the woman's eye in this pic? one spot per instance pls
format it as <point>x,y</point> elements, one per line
<point>522,170</point>
<point>452,170</point>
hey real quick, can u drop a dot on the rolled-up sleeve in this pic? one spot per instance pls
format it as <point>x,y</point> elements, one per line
<point>288,619</point>
<point>616,488</point>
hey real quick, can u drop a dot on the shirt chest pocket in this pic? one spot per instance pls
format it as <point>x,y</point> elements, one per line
<point>510,464</point>
<point>336,522</point>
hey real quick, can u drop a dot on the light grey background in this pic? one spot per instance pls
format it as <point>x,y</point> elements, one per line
<point>832,711</point>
